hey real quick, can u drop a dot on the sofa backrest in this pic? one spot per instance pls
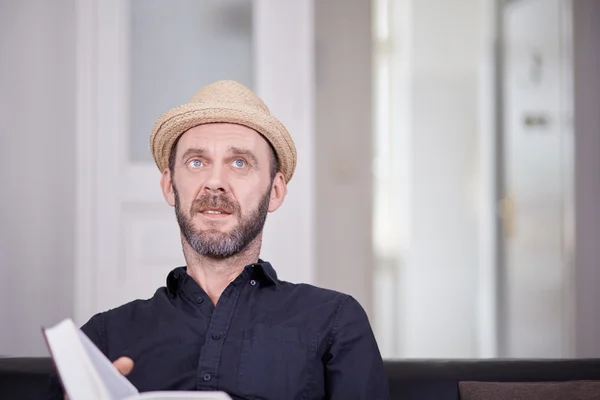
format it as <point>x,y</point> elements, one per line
<point>24,378</point>
<point>27,378</point>
<point>438,379</point>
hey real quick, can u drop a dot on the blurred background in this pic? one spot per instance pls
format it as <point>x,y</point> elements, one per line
<point>448,173</point>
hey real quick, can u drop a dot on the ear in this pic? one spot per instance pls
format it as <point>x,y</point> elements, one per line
<point>166,184</point>
<point>278,192</point>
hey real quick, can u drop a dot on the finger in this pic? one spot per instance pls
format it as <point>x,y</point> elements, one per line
<point>124,365</point>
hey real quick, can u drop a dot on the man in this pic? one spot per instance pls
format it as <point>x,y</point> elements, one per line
<point>225,321</point>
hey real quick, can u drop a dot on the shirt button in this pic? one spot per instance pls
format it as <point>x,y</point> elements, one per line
<point>207,377</point>
<point>176,275</point>
<point>199,299</point>
<point>216,336</point>
<point>253,282</point>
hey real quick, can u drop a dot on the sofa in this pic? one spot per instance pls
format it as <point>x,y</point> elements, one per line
<point>26,378</point>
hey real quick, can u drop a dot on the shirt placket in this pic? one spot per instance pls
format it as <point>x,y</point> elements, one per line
<point>210,356</point>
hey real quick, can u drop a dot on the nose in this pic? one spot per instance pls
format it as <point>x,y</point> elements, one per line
<point>216,181</point>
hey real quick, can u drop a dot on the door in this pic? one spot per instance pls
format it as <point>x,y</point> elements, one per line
<point>538,155</point>
<point>139,58</point>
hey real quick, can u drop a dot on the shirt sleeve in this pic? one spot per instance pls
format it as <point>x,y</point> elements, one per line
<point>95,330</point>
<point>354,367</point>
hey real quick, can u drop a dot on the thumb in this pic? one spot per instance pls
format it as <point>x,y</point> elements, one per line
<point>124,365</point>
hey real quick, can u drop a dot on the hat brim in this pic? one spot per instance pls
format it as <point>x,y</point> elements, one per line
<point>172,124</point>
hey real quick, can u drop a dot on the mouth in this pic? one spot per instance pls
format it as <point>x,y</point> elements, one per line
<point>215,213</point>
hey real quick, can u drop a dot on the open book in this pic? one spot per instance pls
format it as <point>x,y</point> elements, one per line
<point>86,374</point>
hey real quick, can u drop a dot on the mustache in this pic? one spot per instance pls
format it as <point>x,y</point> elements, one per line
<point>214,201</point>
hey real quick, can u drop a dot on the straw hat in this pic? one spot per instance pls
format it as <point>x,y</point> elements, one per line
<point>225,102</point>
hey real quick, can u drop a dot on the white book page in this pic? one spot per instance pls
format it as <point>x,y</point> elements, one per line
<point>181,396</point>
<point>76,371</point>
<point>117,385</point>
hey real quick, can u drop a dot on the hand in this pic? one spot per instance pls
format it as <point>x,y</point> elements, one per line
<point>123,364</point>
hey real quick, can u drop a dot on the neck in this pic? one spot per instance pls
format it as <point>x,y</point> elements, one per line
<point>214,275</point>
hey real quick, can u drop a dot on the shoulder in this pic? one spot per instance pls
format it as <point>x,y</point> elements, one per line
<point>135,307</point>
<point>337,304</point>
<point>129,313</point>
<point>312,293</point>
<point>112,329</point>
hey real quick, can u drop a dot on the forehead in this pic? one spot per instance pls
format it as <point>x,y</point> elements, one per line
<point>217,137</point>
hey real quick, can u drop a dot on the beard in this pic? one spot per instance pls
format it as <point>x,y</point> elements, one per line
<point>212,242</point>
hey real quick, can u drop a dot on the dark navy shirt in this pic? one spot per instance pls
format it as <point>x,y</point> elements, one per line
<point>265,339</point>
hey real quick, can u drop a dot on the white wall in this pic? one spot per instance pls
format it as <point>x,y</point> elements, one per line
<point>284,78</point>
<point>343,136</point>
<point>37,156</point>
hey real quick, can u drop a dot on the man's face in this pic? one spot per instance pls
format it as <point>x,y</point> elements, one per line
<point>222,187</point>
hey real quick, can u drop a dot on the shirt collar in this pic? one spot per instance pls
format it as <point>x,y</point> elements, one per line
<point>261,270</point>
<point>267,271</point>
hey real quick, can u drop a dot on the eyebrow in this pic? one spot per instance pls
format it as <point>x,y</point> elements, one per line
<point>193,151</point>
<point>198,151</point>
<point>243,152</point>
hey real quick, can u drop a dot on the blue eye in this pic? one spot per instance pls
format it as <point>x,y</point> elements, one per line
<point>195,163</point>
<point>239,163</point>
